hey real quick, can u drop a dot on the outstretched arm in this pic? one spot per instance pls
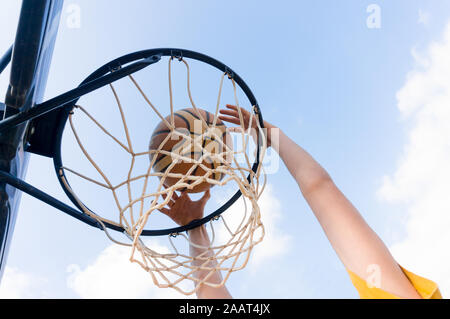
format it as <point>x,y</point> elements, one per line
<point>356,244</point>
<point>183,210</point>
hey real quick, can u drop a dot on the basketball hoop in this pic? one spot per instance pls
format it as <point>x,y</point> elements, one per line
<point>167,269</point>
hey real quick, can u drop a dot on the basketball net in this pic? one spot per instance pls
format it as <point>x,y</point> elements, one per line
<point>173,269</point>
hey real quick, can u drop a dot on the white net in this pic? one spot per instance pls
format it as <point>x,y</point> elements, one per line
<point>141,194</point>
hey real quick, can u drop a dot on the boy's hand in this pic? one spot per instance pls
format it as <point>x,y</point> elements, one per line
<point>182,210</point>
<point>232,113</point>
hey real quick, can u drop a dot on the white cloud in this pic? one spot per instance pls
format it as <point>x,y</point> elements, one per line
<point>112,275</point>
<point>19,285</point>
<point>422,178</point>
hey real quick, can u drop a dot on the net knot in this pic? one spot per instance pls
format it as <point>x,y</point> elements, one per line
<point>178,56</point>
<point>229,73</point>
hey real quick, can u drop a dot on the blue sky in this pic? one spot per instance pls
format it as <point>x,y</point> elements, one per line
<point>318,72</point>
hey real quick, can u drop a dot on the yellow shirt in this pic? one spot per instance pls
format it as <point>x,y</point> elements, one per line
<point>425,287</point>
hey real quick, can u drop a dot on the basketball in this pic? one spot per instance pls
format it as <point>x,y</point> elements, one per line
<point>188,123</point>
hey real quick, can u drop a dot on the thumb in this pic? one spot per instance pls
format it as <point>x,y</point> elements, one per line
<point>206,196</point>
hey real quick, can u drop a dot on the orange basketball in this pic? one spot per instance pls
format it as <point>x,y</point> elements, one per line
<point>187,122</point>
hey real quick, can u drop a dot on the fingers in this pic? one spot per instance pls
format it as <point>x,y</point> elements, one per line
<point>206,196</point>
<point>234,111</point>
<point>164,195</point>
<point>171,200</point>
<point>237,108</point>
<point>165,211</point>
<point>233,107</point>
<point>174,195</point>
<point>230,119</point>
<point>233,115</point>
<point>204,200</point>
<point>228,112</point>
<point>184,194</point>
